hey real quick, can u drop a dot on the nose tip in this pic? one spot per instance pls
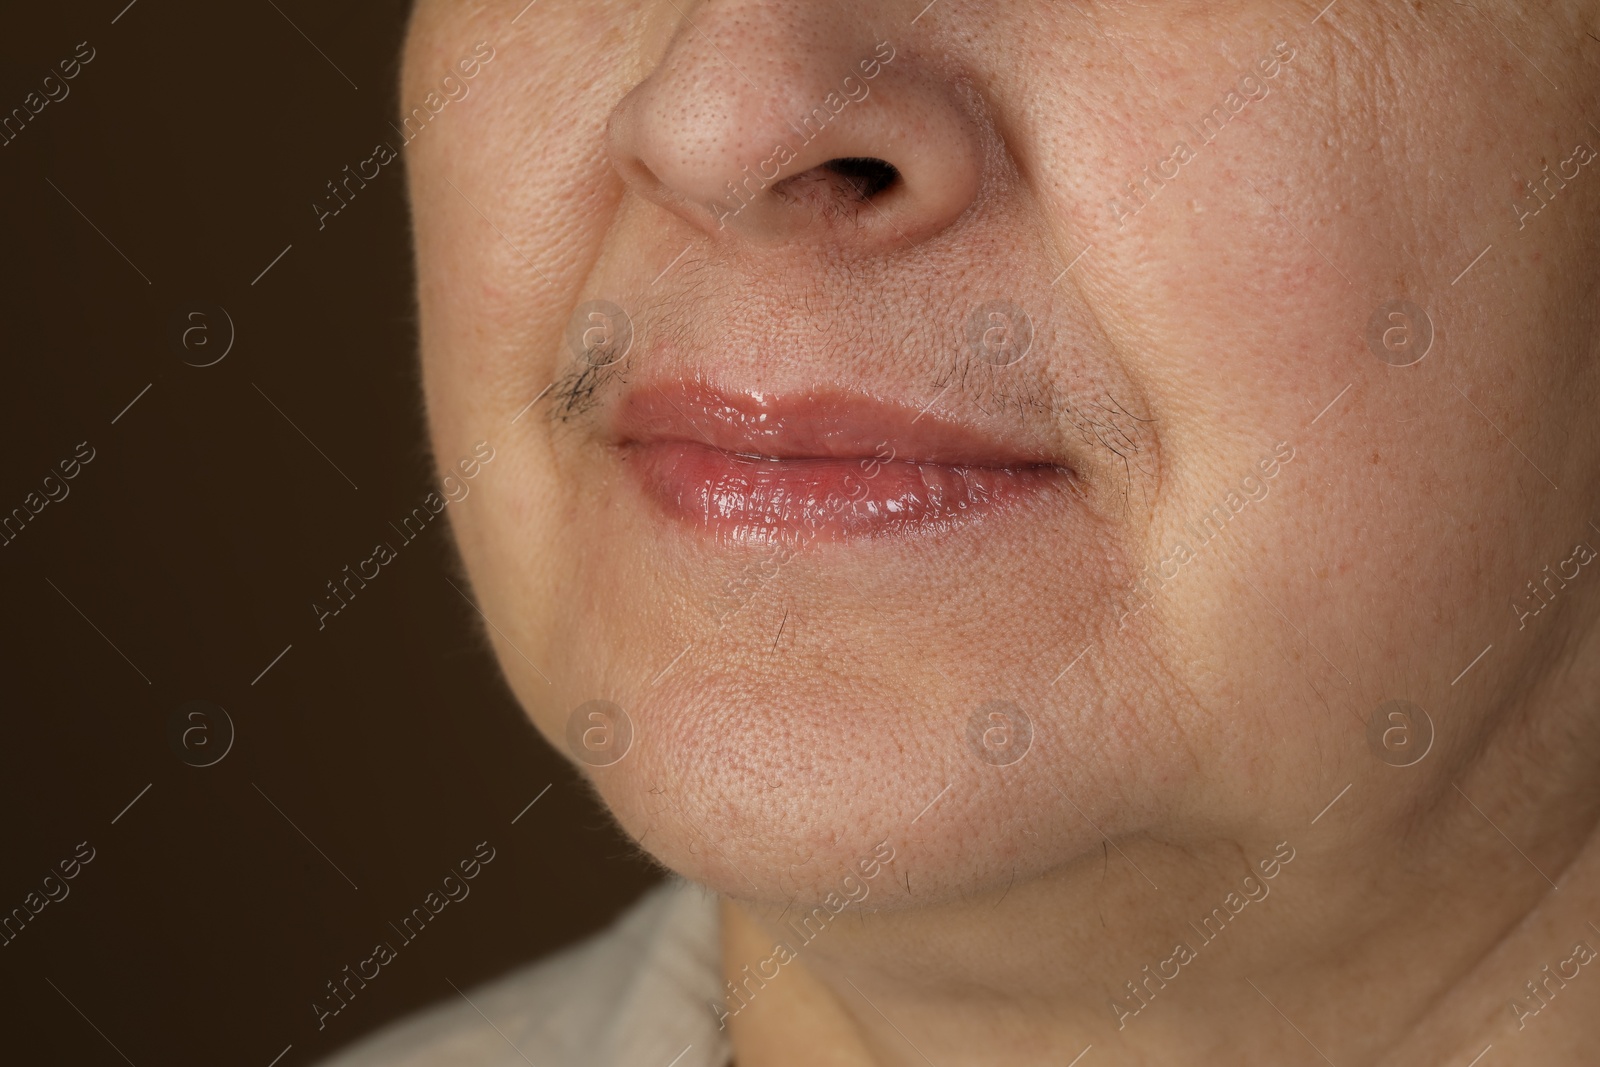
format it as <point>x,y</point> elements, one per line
<point>843,138</point>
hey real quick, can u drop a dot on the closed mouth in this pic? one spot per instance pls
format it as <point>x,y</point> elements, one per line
<point>822,465</point>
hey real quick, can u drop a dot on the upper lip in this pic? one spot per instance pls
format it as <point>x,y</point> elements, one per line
<point>820,423</point>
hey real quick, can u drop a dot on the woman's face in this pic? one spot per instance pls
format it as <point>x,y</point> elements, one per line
<point>1195,379</point>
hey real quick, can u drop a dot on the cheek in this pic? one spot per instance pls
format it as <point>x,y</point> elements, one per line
<point>505,256</point>
<point>1381,559</point>
<point>499,263</point>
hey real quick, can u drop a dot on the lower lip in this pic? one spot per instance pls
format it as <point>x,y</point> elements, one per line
<point>740,498</point>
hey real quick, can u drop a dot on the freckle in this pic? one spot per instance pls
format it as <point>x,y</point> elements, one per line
<point>1374,459</point>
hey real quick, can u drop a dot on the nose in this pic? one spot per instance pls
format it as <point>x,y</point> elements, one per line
<point>783,120</point>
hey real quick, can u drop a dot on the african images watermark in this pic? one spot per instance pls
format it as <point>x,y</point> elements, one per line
<point>599,732</point>
<point>1400,333</point>
<point>452,88</point>
<point>55,489</point>
<point>52,90</point>
<point>1211,525</point>
<point>1543,989</point>
<point>1540,195</point>
<point>342,590</point>
<point>202,334</point>
<point>600,333</point>
<point>852,890</point>
<point>200,733</point>
<point>349,981</point>
<point>1550,585</point>
<point>999,733</point>
<point>335,201</point>
<point>1250,87</point>
<point>999,333</point>
<point>852,90</point>
<point>1400,733</point>
<point>1255,890</point>
<point>52,889</point>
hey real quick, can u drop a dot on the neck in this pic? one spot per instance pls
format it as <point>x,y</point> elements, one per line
<point>1346,940</point>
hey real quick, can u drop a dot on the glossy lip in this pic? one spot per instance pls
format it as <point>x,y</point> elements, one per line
<point>819,465</point>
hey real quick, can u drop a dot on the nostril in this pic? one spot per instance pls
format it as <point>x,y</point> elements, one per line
<point>839,184</point>
<point>866,177</point>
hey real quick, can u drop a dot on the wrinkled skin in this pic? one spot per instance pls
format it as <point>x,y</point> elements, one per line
<point>1189,709</point>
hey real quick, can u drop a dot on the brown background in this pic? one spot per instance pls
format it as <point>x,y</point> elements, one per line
<point>195,541</point>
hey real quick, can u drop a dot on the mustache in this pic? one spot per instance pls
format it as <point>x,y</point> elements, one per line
<point>990,356</point>
<point>578,390</point>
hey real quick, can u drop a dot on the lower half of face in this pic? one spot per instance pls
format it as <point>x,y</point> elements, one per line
<point>1222,419</point>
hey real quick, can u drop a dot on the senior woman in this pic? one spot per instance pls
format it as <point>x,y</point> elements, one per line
<point>1067,525</point>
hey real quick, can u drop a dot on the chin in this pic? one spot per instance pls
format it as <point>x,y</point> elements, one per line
<point>776,790</point>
